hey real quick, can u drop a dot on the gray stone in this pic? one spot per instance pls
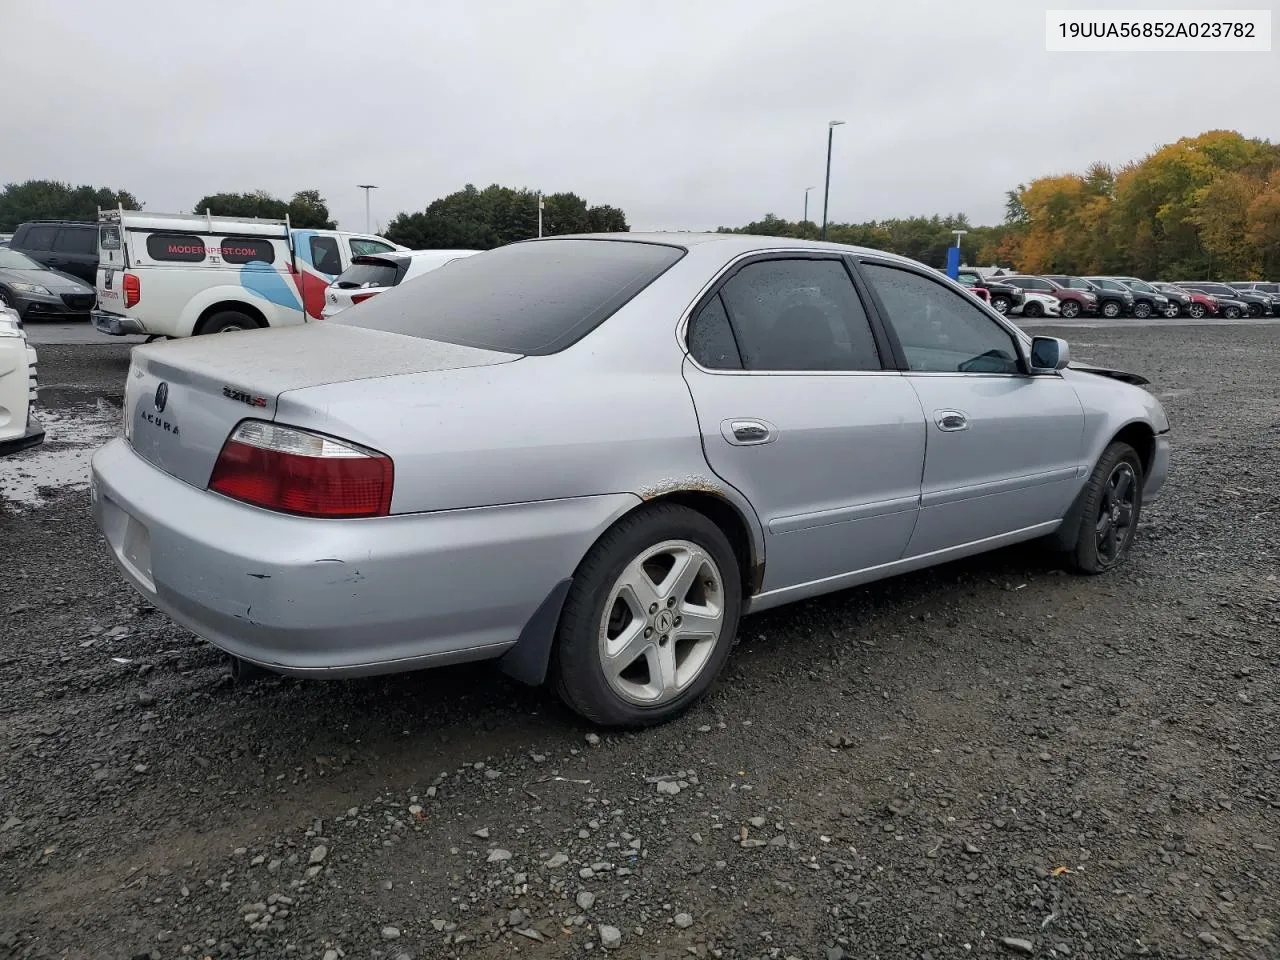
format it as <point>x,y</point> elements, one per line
<point>668,787</point>
<point>593,739</point>
<point>497,855</point>
<point>557,860</point>
<point>482,833</point>
<point>318,854</point>
<point>331,955</point>
<point>610,937</point>
<point>684,921</point>
<point>586,900</point>
<point>1018,945</point>
<point>757,822</point>
<point>390,933</point>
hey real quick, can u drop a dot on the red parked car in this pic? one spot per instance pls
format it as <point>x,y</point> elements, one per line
<point>1073,302</point>
<point>1201,305</point>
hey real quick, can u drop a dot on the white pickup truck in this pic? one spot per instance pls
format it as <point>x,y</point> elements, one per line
<point>19,428</point>
<point>181,275</point>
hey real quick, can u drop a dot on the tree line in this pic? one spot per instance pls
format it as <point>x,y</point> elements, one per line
<point>469,218</point>
<point>1204,207</point>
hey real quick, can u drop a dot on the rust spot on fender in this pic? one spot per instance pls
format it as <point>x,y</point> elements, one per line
<point>689,484</point>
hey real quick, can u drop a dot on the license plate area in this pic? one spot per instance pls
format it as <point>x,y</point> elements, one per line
<point>130,541</point>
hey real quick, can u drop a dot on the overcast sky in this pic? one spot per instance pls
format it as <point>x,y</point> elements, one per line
<point>687,114</point>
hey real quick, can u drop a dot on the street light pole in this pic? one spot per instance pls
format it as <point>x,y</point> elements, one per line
<point>826,191</point>
<point>539,213</point>
<point>805,221</point>
<point>366,187</point>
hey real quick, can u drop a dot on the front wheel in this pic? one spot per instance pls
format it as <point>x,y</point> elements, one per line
<point>1171,311</point>
<point>1112,506</point>
<point>1033,309</point>
<point>1002,304</point>
<point>649,620</point>
<point>1111,309</point>
<point>1231,313</point>
<point>1142,310</point>
<point>1070,309</point>
<point>1196,311</point>
<point>1255,310</point>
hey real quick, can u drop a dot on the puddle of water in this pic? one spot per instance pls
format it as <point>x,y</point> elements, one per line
<point>62,461</point>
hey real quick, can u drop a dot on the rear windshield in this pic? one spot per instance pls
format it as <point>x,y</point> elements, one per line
<point>535,297</point>
<point>367,273</point>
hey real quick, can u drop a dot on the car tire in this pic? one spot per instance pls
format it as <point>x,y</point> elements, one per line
<point>228,321</point>
<point>1001,304</point>
<point>1196,311</point>
<point>1231,313</point>
<point>1033,309</point>
<point>1171,311</point>
<point>626,586</point>
<point>1110,512</point>
<point>1255,310</point>
<point>1070,309</point>
<point>1111,309</point>
<point>1142,310</point>
<point>6,299</point>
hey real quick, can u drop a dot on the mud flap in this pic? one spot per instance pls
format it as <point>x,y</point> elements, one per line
<point>527,661</point>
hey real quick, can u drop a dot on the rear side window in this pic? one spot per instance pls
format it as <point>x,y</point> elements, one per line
<point>77,240</point>
<point>711,340</point>
<point>362,245</point>
<point>176,247</point>
<point>39,238</point>
<point>793,314</point>
<point>248,250</point>
<point>535,297</point>
<point>109,237</point>
<point>368,273</point>
<point>324,255</point>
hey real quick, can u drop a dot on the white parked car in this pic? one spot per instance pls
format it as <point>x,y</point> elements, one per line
<point>19,427</point>
<point>372,273</point>
<point>179,275</point>
<point>1038,304</point>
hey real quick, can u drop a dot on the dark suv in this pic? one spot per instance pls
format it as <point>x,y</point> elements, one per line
<point>1147,299</point>
<point>70,246</point>
<point>1258,304</point>
<point>1114,298</point>
<point>1004,296</point>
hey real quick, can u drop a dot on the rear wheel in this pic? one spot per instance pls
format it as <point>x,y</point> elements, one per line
<point>228,321</point>
<point>1111,309</point>
<point>1112,506</point>
<point>649,620</point>
<point>1070,309</point>
<point>1231,313</point>
<point>1171,311</point>
<point>1196,311</point>
<point>1033,309</point>
<point>1142,310</point>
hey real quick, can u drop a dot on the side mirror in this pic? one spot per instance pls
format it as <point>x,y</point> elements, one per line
<point>1048,353</point>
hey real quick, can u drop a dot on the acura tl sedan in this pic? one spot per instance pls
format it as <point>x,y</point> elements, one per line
<point>588,457</point>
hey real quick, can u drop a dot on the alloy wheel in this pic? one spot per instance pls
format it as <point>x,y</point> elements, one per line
<point>662,622</point>
<point>1114,524</point>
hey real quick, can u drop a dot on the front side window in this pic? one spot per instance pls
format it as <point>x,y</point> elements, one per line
<point>940,332</point>
<point>799,315</point>
<point>39,238</point>
<point>362,246</point>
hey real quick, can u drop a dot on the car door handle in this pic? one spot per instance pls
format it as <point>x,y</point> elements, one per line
<point>748,432</point>
<point>951,420</point>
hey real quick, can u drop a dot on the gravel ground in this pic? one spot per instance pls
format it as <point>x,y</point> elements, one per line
<point>988,759</point>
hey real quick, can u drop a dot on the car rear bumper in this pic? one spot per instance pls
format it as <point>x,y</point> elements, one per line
<point>34,436</point>
<point>115,325</point>
<point>339,597</point>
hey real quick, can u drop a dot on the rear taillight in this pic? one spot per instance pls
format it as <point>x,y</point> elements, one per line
<point>299,472</point>
<point>132,289</point>
<point>361,297</point>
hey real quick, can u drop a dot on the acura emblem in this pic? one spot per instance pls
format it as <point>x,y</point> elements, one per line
<point>162,397</point>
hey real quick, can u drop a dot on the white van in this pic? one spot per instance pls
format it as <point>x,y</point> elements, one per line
<point>179,275</point>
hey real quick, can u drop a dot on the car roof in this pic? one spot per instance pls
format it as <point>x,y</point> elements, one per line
<point>732,244</point>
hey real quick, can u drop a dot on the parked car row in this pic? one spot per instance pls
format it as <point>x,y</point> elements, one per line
<point>1131,296</point>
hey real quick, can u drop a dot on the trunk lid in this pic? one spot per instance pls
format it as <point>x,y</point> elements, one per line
<point>184,397</point>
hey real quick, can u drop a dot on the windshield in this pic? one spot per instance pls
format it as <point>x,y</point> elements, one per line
<point>13,260</point>
<point>535,297</point>
<point>367,273</point>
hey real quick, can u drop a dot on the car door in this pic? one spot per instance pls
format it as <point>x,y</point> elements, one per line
<point>798,412</point>
<point>37,243</point>
<point>1004,448</point>
<point>75,251</point>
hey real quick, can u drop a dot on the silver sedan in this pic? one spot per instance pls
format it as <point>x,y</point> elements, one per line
<point>587,457</point>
